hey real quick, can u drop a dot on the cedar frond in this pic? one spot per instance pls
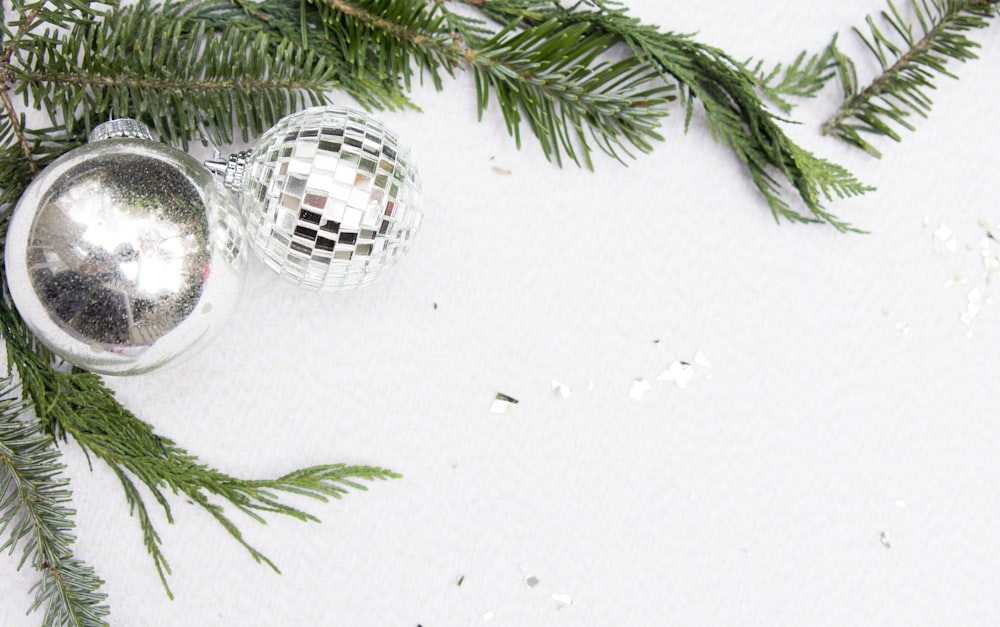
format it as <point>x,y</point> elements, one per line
<point>728,93</point>
<point>802,78</point>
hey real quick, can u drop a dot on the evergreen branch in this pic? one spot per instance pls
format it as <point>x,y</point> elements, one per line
<point>547,75</point>
<point>171,70</point>
<point>300,25</point>
<point>910,60</point>
<point>35,514</point>
<point>17,127</point>
<point>78,405</point>
<point>802,78</point>
<point>727,91</point>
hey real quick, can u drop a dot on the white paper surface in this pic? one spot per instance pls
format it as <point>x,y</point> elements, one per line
<point>837,464</point>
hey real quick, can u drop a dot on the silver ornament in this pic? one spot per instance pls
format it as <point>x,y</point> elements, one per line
<point>329,197</point>
<point>125,253</point>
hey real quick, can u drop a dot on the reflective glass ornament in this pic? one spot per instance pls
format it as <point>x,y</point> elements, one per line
<point>125,254</point>
<point>329,197</point>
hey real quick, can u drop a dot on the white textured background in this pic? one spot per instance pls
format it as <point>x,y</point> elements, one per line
<point>757,495</point>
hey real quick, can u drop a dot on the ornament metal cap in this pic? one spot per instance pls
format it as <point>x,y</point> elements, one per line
<point>122,128</point>
<point>233,170</point>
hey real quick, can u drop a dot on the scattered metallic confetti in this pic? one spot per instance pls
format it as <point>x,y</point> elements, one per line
<point>530,579</point>
<point>639,389</point>
<point>973,306</point>
<point>701,360</point>
<point>561,389</point>
<point>944,240</point>
<point>503,404</point>
<point>562,600</point>
<point>903,327</point>
<point>680,372</point>
<point>884,539</point>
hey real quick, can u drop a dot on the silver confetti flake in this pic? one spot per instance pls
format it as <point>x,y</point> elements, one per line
<point>562,600</point>
<point>561,389</point>
<point>503,404</point>
<point>639,389</point>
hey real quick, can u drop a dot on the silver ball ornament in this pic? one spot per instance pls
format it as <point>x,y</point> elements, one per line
<point>329,197</point>
<point>125,254</point>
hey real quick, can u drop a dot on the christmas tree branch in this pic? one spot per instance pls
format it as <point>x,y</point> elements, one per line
<point>77,405</point>
<point>547,75</point>
<point>34,514</point>
<point>174,71</point>
<point>910,57</point>
<point>802,78</point>
<point>728,93</point>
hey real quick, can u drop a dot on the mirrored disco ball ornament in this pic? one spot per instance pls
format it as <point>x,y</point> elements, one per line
<point>125,253</point>
<point>329,197</point>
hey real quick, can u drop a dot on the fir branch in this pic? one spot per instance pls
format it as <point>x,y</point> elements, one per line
<point>911,53</point>
<point>35,515</point>
<point>547,75</point>
<point>300,25</point>
<point>727,91</point>
<point>177,73</point>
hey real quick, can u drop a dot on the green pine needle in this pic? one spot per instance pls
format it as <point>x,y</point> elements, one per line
<point>35,516</point>
<point>165,66</point>
<point>728,93</point>
<point>912,50</point>
<point>548,76</point>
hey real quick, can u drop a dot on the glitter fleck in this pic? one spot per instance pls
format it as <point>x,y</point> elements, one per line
<point>701,360</point>
<point>460,581</point>
<point>955,281</point>
<point>680,372</point>
<point>562,600</point>
<point>561,389</point>
<point>503,171</point>
<point>901,504</point>
<point>944,240</point>
<point>530,579</point>
<point>974,304</point>
<point>639,389</point>
<point>488,616</point>
<point>884,539</point>
<point>503,404</point>
<point>903,327</point>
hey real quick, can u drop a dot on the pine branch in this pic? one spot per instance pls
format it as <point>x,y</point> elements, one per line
<point>548,75</point>
<point>300,25</point>
<point>912,53</point>
<point>35,515</point>
<point>727,91</point>
<point>164,66</point>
